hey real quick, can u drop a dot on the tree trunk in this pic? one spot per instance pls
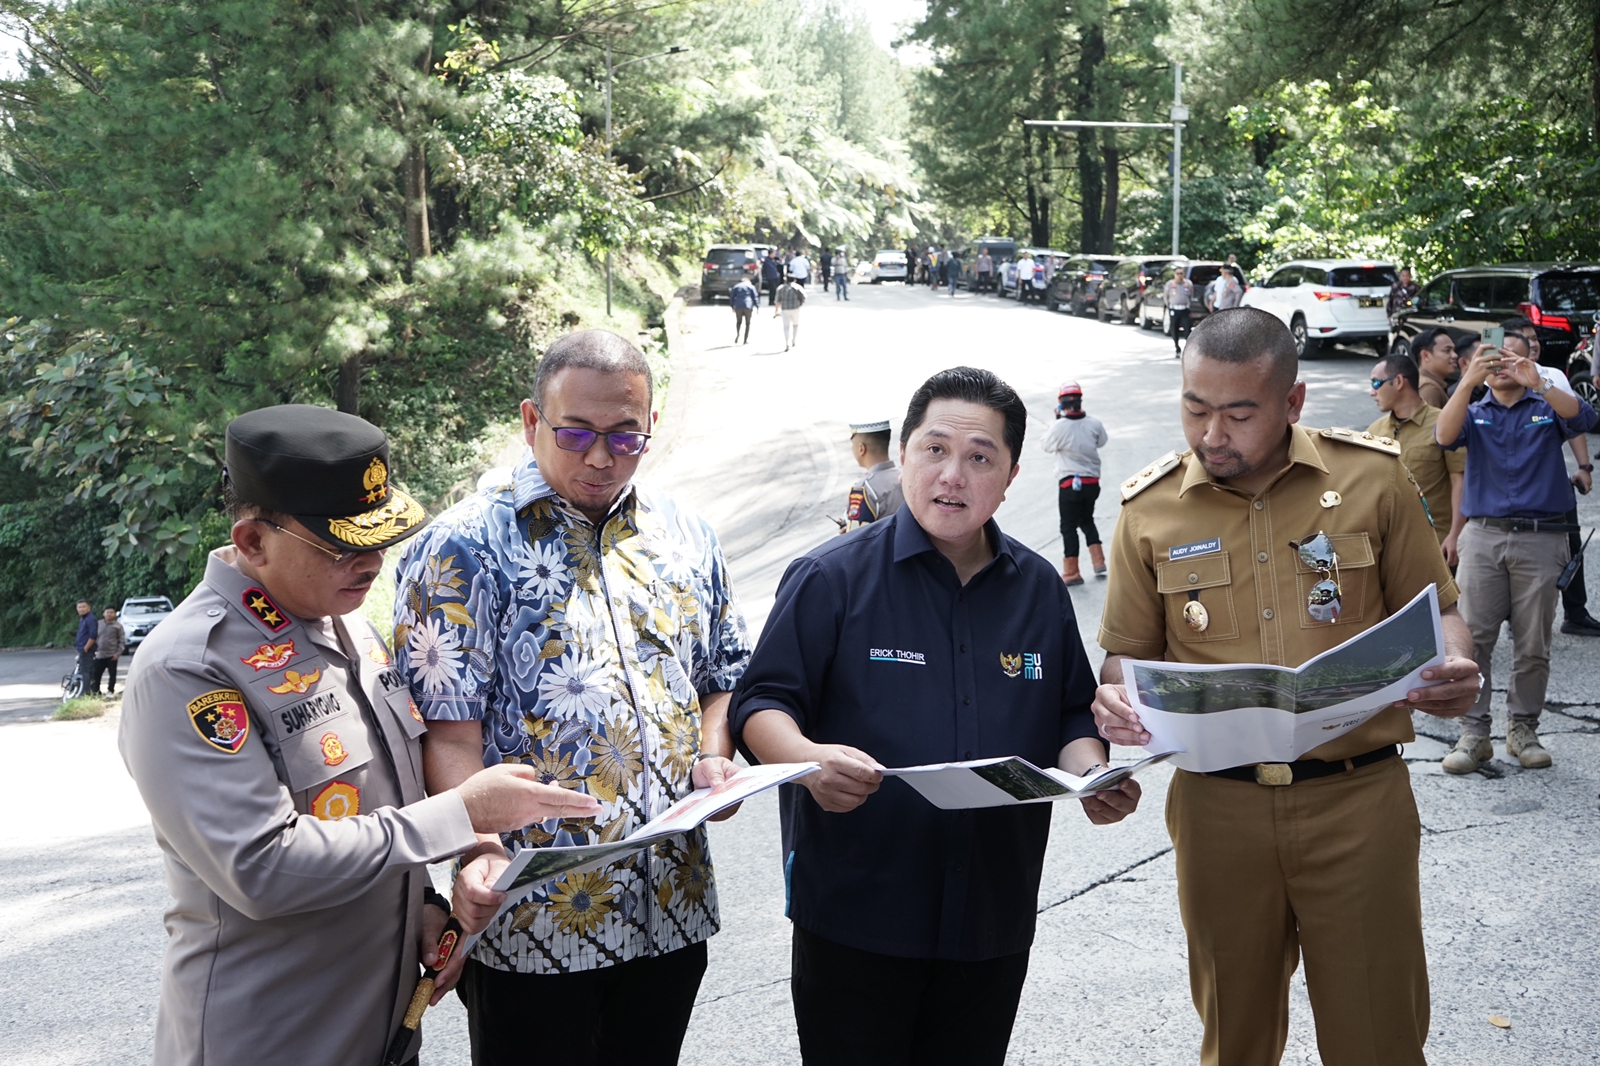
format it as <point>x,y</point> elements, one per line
<point>1108,218</point>
<point>1091,175</point>
<point>414,178</point>
<point>348,391</point>
<point>1038,192</point>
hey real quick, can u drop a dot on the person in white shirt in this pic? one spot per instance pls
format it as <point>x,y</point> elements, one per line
<point>800,268</point>
<point>1179,294</point>
<point>1075,440</point>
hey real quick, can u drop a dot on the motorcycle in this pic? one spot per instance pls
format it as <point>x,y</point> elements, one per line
<point>1580,364</point>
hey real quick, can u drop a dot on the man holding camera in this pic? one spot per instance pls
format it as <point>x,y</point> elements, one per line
<point>1514,544</point>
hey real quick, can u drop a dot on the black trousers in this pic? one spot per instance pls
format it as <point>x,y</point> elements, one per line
<point>741,320</point>
<point>857,1008</point>
<point>771,288</point>
<point>101,666</point>
<point>1180,325</point>
<point>1077,512</point>
<point>1575,597</point>
<point>633,1013</point>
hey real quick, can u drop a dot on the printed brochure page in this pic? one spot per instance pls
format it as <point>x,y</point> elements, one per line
<point>954,786</point>
<point>1215,717</point>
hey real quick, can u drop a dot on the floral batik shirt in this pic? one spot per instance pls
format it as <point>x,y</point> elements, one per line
<point>585,653</point>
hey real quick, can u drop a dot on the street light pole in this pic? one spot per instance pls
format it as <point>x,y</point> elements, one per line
<point>610,71</point>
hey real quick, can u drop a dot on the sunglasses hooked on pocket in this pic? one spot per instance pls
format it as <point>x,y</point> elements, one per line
<point>1322,602</point>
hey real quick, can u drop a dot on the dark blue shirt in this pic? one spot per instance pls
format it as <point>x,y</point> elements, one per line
<point>88,629</point>
<point>744,295</point>
<point>770,271</point>
<point>873,642</point>
<point>1515,468</point>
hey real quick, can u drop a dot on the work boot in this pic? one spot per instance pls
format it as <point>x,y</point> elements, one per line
<point>1069,571</point>
<point>1471,752</point>
<point>1523,742</point>
<point>1097,558</point>
<point>1584,625</point>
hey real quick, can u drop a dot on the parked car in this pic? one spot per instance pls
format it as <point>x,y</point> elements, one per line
<point>1045,262</point>
<point>888,264</point>
<point>1000,249</point>
<point>1324,300</point>
<point>140,615</point>
<point>1560,299</point>
<point>723,266</point>
<point>1153,305</point>
<point>1122,290</point>
<point>1077,284</point>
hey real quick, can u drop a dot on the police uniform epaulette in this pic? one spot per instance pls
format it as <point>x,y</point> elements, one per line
<point>1366,440</point>
<point>1151,474</point>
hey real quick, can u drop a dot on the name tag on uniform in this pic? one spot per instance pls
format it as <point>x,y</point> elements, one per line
<point>1189,551</point>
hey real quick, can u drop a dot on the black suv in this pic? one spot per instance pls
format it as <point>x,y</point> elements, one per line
<point>1125,286</point>
<point>724,265</point>
<point>1560,299</point>
<point>1077,284</point>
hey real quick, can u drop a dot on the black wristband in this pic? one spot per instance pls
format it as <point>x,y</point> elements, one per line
<point>431,895</point>
<point>1587,468</point>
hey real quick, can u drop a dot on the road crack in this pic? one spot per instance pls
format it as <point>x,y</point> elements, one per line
<point>740,992</point>
<point>1106,880</point>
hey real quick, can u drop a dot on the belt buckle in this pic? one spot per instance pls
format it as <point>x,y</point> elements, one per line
<point>1274,773</point>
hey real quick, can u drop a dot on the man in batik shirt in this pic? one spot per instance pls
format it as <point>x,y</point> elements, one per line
<point>572,621</point>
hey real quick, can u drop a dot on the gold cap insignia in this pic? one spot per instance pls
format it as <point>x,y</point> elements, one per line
<point>375,481</point>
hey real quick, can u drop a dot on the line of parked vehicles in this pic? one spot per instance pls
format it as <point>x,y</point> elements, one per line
<point>1324,302</point>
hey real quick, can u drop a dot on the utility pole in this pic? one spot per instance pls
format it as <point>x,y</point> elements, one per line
<point>611,70</point>
<point>1180,115</point>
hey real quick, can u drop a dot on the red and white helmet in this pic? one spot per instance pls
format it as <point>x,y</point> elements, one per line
<point>1069,388</point>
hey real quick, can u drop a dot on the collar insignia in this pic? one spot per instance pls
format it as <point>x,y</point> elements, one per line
<point>258,603</point>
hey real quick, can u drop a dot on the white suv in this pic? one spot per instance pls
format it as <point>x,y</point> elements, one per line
<point>888,263</point>
<point>1329,300</point>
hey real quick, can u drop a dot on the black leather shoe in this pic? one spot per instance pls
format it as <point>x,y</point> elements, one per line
<point>1586,625</point>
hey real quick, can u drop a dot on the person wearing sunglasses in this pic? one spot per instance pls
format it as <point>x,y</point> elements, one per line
<point>1408,421</point>
<point>279,755</point>
<point>574,622</point>
<point>1266,542</point>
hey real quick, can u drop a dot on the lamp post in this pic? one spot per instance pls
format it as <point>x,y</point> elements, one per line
<point>611,69</point>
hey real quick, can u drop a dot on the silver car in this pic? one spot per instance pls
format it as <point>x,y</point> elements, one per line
<point>140,615</point>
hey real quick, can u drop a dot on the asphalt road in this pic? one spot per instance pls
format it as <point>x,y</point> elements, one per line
<point>756,438</point>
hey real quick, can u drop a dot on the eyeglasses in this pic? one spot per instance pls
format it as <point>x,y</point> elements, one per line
<point>339,558</point>
<point>1378,383</point>
<point>1322,602</point>
<point>572,439</point>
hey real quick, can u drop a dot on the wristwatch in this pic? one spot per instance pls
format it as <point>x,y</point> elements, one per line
<point>1587,468</point>
<point>1541,392</point>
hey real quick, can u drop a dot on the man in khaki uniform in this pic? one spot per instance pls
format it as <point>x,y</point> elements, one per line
<point>1409,421</point>
<point>1434,352</point>
<point>276,748</point>
<point>1320,856</point>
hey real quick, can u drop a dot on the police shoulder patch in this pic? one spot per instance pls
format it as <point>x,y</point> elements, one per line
<point>269,614</point>
<point>1151,474</point>
<point>221,719</point>
<point>1387,445</point>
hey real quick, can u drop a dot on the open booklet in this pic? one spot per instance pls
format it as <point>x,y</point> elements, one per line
<point>954,786</point>
<point>1221,716</point>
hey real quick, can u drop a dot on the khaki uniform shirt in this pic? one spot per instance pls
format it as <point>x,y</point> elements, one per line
<point>1434,390</point>
<point>876,495</point>
<point>281,767</point>
<point>1252,584</point>
<point>1429,464</point>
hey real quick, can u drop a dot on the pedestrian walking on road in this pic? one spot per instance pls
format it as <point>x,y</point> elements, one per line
<point>1075,439</point>
<point>109,643</point>
<point>1514,545</point>
<point>1317,859</point>
<point>744,299</point>
<point>88,633</point>
<point>911,264</point>
<point>841,276</point>
<point>280,757</point>
<point>771,276</point>
<point>825,267</point>
<point>791,297</point>
<point>952,269</point>
<point>934,975</point>
<point>983,270</point>
<point>1179,295</point>
<point>799,268</point>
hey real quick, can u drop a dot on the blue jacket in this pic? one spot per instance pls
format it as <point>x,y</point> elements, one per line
<point>88,629</point>
<point>744,295</point>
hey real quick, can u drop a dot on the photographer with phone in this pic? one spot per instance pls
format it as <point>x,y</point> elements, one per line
<point>1514,545</point>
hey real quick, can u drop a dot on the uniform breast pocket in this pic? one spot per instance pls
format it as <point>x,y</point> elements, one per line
<point>320,738</point>
<point>405,709</point>
<point>1355,575</point>
<point>1208,581</point>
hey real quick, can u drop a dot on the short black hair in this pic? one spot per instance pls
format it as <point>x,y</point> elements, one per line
<point>237,508</point>
<point>87,603</point>
<point>593,349</point>
<point>1244,335</point>
<point>877,441</point>
<point>1424,341</point>
<point>1402,365</point>
<point>971,385</point>
<point>1517,324</point>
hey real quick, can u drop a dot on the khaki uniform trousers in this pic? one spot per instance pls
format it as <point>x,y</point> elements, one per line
<point>1326,868</point>
<point>1510,577</point>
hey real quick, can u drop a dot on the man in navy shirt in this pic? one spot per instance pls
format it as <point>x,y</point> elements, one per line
<point>88,632</point>
<point>927,637</point>
<point>1514,545</point>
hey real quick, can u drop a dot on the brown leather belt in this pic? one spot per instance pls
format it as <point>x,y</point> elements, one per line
<point>1287,773</point>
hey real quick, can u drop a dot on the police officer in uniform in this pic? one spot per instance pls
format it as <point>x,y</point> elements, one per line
<point>276,749</point>
<point>1317,857</point>
<point>876,494</point>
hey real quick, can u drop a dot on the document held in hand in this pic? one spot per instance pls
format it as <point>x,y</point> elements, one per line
<point>1215,717</point>
<point>954,786</point>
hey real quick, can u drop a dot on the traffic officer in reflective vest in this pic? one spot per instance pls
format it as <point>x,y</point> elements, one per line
<point>276,749</point>
<point>876,494</point>
<point>1317,857</point>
